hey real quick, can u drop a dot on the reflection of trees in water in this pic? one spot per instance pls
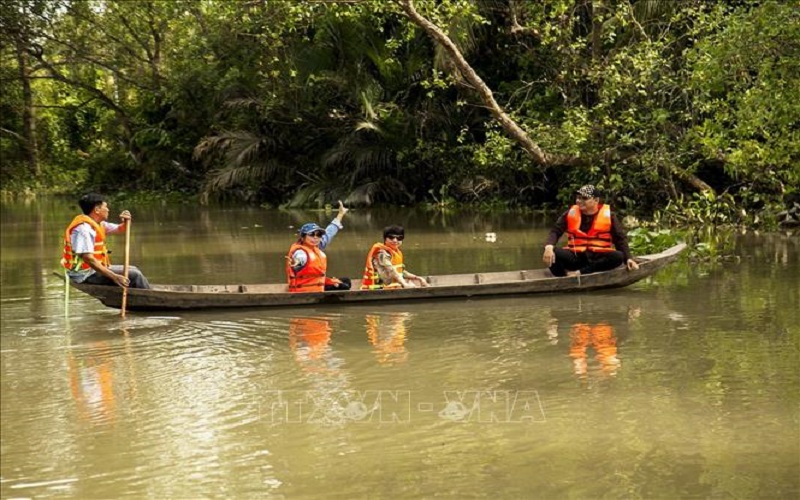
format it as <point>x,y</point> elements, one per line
<point>186,244</point>
<point>555,328</point>
<point>371,221</point>
<point>758,292</point>
<point>37,266</point>
<point>465,221</point>
<point>244,244</point>
<point>781,249</point>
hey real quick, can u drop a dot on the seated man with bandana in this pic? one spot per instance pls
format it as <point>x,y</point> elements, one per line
<point>596,239</point>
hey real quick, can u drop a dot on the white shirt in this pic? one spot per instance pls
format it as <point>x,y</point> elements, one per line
<point>82,241</point>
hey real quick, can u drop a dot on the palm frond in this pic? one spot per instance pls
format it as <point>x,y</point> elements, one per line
<point>208,147</point>
<point>245,147</point>
<point>369,110</point>
<point>231,176</point>
<point>368,125</point>
<point>383,190</point>
<point>317,191</point>
<point>243,103</point>
<point>236,148</point>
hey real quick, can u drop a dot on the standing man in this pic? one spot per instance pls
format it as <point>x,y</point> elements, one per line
<point>596,239</point>
<point>86,256</point>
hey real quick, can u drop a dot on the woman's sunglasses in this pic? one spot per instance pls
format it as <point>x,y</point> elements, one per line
<point>395,237</point>
<point>318,234</point>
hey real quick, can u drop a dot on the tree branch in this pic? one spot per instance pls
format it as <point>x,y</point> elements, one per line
<point>97,93</point>
<point>689,178</point>
<point>518,29</point>
<point>544,159</point>
<point>510,126</point>
<point>80,55</point>
<point>102,29</point>
<point>13,134</point>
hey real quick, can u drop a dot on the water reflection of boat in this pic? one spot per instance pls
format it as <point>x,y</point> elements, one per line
<point>165,297</point>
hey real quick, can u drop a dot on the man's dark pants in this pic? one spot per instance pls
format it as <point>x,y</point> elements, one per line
<point>344,284</point>
<point>585,262</point>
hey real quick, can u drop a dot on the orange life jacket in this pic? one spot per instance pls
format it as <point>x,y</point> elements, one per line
<point>309,338</point>
<point>388,335</point>
<point>371,279</point>
<point>311,278</point>
<point>598,239</point>
<point>74,262</point>
<point>600,337</point>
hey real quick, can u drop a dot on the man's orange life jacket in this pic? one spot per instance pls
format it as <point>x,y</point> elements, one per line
<point>74,262</point>
<point>371,279</point>
<point>600,337</point>
<point>598,239</point>
<point>311,278</point>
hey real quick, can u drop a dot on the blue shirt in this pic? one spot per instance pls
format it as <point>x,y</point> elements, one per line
<point>300,256</point>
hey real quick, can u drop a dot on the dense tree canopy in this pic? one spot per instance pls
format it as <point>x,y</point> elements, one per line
<point>489,101</point>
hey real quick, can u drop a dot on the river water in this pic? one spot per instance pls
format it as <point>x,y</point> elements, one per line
<point>685,385</point>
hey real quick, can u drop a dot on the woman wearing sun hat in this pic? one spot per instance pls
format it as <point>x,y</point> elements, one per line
<point>307,264</point>
<point>596,240</point>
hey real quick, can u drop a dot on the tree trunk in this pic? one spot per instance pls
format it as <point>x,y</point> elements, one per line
<point>511,127</point>
<point>597,31</point>
<point>689,178</point>
<point>28,115</point>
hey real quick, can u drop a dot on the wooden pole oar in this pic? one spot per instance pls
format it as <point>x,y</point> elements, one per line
<point>66,293</point>
<point>127,264</point>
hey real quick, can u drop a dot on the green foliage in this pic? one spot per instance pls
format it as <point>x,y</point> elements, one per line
<point>706,246</point>
<point>710,246</point>
<point>703,209</point>
<point>305,102</point>
<point>443,200</point>
<point>647,241</point>
<point>746,77</point>
<point>153,198</point>
<point>746,81</point>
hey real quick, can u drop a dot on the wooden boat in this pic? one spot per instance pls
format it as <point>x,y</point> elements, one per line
<point>175,297</point>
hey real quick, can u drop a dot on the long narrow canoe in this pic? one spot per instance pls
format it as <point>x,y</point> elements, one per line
<point>174,297</point>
